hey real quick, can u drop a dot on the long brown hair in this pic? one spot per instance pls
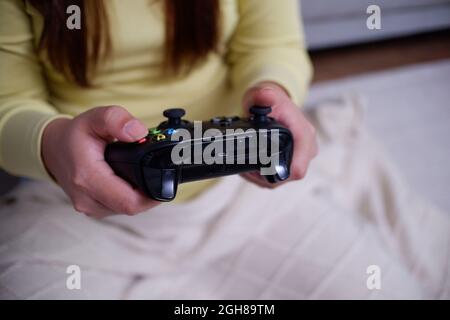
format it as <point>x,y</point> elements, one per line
<point>191,27</point>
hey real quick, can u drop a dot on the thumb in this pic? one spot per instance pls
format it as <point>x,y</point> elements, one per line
<point>115,122</point>
<point>264,95</point>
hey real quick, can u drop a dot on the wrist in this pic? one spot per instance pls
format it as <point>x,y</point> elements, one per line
<point>51,136</point>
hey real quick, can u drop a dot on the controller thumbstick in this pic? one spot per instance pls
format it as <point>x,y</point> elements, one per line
<point>260,113</point>
<point>174,116</point>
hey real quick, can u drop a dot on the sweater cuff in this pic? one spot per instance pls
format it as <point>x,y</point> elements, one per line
<point>20,142</point>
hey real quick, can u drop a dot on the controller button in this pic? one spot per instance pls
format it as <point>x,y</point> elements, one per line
<point>174,113</point>
<point>143,140</point>
<point>159,137</point>
<point>170,131</point>
<point>174,116</point>
<point>222,121</point>
<point>154,131</point>
<point>225,122</point>
<point>216,120</point>
<point>260,113</point>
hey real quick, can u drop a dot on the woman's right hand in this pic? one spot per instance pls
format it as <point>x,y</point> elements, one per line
<point>73,153</point>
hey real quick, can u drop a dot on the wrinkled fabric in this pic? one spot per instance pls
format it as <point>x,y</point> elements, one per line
<point>311,239</point>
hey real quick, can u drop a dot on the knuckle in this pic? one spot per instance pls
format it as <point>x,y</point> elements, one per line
<point>128,208</point>
<point>112,112</point>
<point>89,214</point>
<point>79,181</point>
<point>131,212</point>
<point>80,207</point>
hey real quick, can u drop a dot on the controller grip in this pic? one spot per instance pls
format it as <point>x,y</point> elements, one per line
<point>159,184</point>
<point>123,160</point>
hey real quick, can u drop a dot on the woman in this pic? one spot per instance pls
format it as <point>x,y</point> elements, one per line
<point>67,92</point>
<point>205,64</point>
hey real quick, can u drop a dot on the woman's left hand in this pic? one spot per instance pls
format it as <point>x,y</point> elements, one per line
<point>290,116</point>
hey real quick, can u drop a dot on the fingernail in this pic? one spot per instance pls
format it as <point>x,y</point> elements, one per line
<point>266,89</point>
<point>134,129</point>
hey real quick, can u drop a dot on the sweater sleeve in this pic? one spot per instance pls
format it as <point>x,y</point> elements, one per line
<point>268,45</point>
<point>24,110</point>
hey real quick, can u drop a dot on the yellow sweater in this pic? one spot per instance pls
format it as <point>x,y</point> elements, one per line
<point>261,41</point>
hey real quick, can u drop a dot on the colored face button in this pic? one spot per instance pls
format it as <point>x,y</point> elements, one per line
<point>159,137</point>
<point>170,131</point>
<point>143,140</point>
<point>154,131</point>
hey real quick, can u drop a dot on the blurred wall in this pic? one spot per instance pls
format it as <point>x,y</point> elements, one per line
<point>330,23</point>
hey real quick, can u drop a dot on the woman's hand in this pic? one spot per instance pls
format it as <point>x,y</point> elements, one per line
<point>73,153</point>
<point>289,115</point>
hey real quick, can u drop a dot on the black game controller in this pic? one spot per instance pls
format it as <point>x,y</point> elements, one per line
<point>149,163</point>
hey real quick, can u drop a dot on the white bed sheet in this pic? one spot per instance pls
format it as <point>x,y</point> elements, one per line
<point>409,110</point>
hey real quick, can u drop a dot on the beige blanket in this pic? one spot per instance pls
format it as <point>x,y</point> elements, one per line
<point>317,238</point>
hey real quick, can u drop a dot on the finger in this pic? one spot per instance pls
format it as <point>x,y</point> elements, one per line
<point>265,96</point>
<point>305,143</point>
<point>83,203</point>
<point>305,147</point>
<point>288,114</point>
<point>255,178</point>
<point>115,123</point>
